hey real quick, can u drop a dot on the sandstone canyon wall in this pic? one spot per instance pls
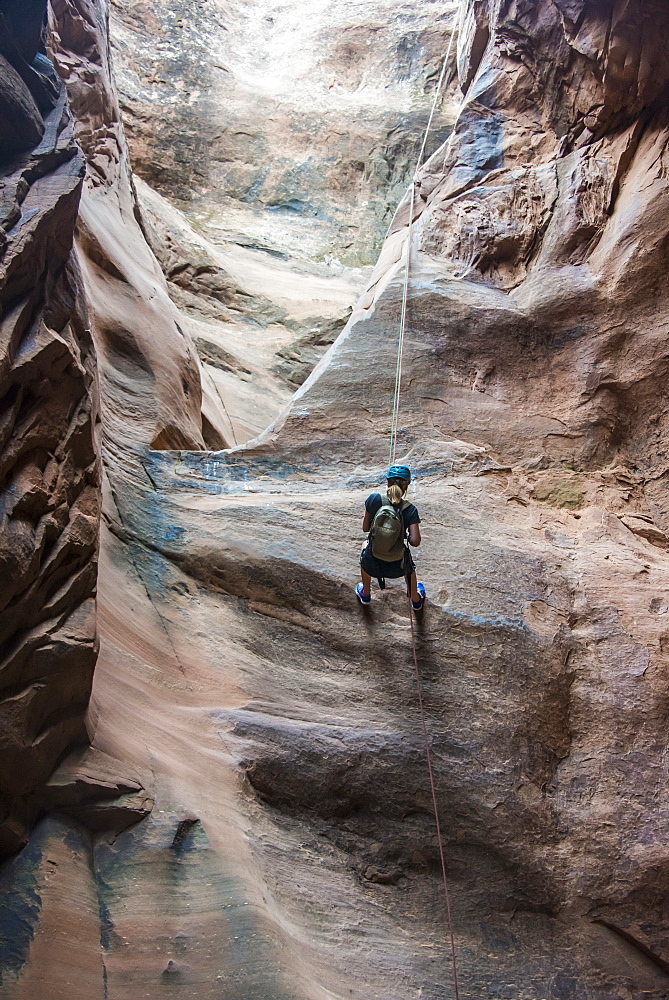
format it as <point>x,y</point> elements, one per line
<point>149,376</point>
<point>49,470</point>
<point>286,134</point>
<point>252,818</point>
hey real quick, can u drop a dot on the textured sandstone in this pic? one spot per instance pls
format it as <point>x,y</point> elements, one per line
<point>258,322</point>
<point>539,251</point>
<point>296,123</point>
<point>48,467</point>
<point>149,375</point>
<point>286,133</point>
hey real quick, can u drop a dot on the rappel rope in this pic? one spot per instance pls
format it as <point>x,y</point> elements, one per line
<point>393,449</point>
<point>428,755</point>
<point>405,289</point>
<point>400,347</point>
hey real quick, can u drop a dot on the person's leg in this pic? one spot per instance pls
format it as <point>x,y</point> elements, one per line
<point>413,588</point>
<point>366,582</point>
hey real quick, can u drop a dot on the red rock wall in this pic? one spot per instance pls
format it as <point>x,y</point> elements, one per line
<point>49,496</point>
<point>149,375</point>
<point>68,312</point>
<point>539,254</point>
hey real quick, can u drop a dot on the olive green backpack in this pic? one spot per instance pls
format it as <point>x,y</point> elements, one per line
<point>386,535</point>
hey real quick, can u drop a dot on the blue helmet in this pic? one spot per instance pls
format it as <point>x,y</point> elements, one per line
<point>402,472</point>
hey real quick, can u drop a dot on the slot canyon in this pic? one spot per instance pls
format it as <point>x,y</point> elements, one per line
<point>220,220</point>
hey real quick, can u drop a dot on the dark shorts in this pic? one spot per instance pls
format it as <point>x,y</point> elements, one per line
<point>388,570</point>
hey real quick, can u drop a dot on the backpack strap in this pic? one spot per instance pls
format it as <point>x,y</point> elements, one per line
<point>402,506</point>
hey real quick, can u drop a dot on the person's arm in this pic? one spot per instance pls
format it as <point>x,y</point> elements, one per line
<point>414,535</point>
<point>367,522</point>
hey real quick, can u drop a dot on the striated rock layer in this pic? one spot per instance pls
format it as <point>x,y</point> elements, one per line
<point>286,134</point>
<point>294,123</point>
<point>49,504</point>
<point>538,254</point>
<point>149,376</point>
<point>287,848</point>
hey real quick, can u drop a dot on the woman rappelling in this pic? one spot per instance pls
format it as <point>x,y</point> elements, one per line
<point>391,522</point>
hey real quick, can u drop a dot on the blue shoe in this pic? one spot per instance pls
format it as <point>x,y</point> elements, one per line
<point>362,597</point>
<point>418,605</point>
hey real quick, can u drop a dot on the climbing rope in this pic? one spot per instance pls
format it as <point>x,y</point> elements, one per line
<point>405,289</point>
<point>393,449</point>
<point>400,346</point>
<point>433,790</point>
